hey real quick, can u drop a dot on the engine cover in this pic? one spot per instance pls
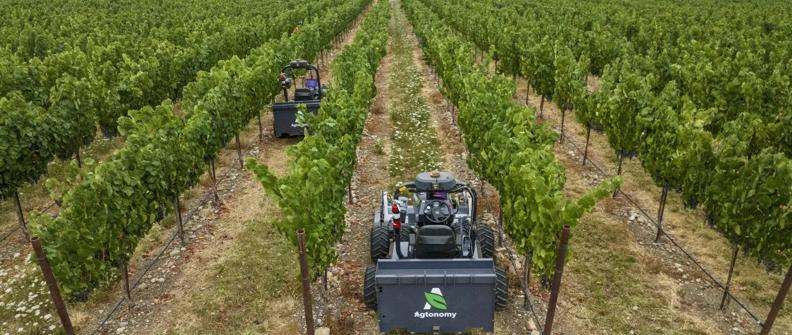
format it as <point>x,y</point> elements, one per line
<point>434,181</point>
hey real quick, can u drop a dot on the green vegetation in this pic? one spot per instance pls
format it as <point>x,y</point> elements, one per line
<point>507,148</point>
<point>103,219</point>
<point>700,91</point>
<point>311,196</point>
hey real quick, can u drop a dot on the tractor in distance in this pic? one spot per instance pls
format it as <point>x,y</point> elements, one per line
<point>310,94</point>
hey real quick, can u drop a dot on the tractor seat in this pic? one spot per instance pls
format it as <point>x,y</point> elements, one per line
<point>435,241</point>
<point>304,94</point>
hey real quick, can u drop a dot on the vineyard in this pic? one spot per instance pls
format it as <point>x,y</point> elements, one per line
<point>137,147</point>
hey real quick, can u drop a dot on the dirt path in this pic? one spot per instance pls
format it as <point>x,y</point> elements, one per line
<point>662,287</point>
<point>187,290</point>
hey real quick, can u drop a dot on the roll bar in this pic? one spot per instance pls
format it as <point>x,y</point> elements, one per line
<point>459,187</point>
<point>304,65</point>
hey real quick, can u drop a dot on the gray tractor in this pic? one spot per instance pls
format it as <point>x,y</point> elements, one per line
<point>434,270</point>
<point>310,94</point>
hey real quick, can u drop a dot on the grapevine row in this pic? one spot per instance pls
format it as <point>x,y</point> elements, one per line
<point>713,125</point>
<point>105,216</point>
<point>507,148</point>
<point>311,196</point>
<point>40,29</point>
<point>50,107</point>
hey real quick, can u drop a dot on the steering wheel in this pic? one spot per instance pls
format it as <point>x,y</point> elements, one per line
<point>437,211</point>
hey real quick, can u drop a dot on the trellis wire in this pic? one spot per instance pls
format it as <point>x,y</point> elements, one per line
<point>673,241</point>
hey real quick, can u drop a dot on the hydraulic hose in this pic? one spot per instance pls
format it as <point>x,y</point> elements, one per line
<point>397,243</point>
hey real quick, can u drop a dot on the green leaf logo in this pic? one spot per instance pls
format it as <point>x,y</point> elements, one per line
<point>435,300</point>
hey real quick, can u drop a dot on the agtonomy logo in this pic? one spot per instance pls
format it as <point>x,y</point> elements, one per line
<point>435,299</point>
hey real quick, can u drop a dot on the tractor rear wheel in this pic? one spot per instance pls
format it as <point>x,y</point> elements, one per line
<point>370,287</point>
<point>501,289</point>
<point>380,243</point>
<point>486,241</point>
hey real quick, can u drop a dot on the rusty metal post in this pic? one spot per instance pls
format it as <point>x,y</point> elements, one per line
<point>618,173</point>
<point>556,288</point>
<point>212,170</point>
<point>324,283</point>
<point>588,136</point>
<point>779,301</point>
<point>213,175</point>
<point>21,217</point>
<point>261,130</point>
<point>214,180</point>
<point>124,269</point>
<point>239,152</point>
<point>177,209</point>
<point>660,212</point>
<point>526,278</point>
<point>725,297</point>
<point>127,288</point>
<point>527,90</point>
<point>52,284</point>
<point>306,283</point>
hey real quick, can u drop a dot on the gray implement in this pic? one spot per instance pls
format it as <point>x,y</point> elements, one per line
<point>433,278</point>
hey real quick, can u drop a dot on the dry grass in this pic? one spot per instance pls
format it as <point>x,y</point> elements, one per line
<point>618,289</point>
<point>251,290</point>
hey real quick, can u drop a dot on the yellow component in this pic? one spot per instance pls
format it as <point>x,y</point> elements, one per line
<point>403,189</point>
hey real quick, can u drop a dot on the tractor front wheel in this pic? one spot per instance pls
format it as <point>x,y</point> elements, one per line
<point>380,243</point>
<point>370,287</point>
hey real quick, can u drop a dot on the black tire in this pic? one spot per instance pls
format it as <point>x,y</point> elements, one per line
<point>370,287</point>
<point>405,234</point>
<point>501,289</point>
<point>486,241</point>
<point>380,243</point>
